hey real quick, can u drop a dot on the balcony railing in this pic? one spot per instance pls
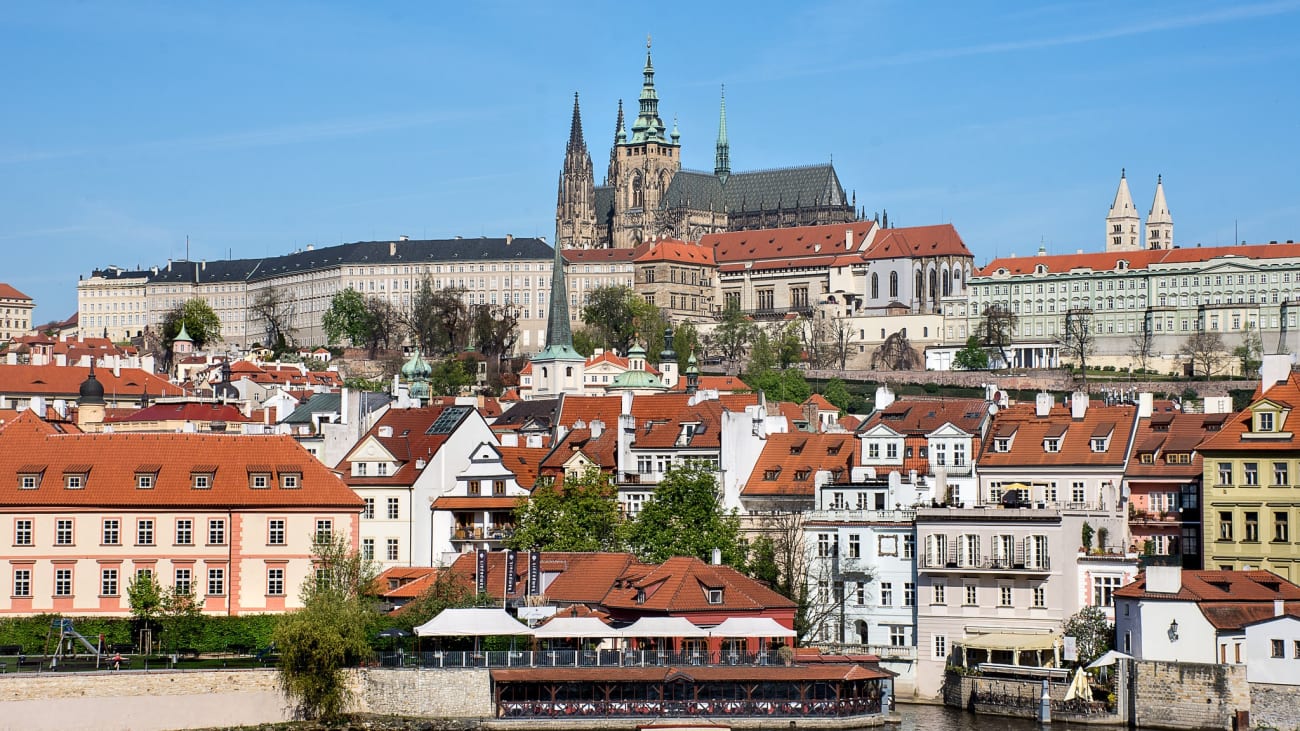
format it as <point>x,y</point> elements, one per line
<point>952,470</point>
<point>832,512</point>
<point>574,659</point>
<point>478,533</point>
<point>884,652</point>
<point>952,562</point>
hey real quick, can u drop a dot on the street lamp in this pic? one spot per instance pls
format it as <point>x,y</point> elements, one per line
<point>1173,630</point>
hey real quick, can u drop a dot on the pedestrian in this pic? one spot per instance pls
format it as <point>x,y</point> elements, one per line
<point>117,661</point>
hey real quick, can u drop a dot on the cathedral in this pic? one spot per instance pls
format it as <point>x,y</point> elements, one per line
<point>647,195</point>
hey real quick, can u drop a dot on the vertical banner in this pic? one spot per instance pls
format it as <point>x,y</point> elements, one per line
<point>511,567</point>
<point>534,573</point>
<point>481,570</point>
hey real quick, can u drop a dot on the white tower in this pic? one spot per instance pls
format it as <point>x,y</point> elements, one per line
<point>1160,225</point>
<point>1122,224</point>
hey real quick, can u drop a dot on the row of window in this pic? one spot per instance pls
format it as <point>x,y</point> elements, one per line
<point>78,480</point>
<point>110,584</point>
<point>394,508</point>
<point>828,544</point>
<point>1250,525</point>
<point>971,595</point>
<point>392,549</point>
<point>1250,471</point>
<point>145,532</point>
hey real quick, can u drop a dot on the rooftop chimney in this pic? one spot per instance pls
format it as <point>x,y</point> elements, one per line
<point>848,239</point>
<point>1078,405</point>
<point>1275,369</point>
<point>403,237</point>
<point>717,557</point>
<point>392,248</point>
<point>509,238</point>
<point>1164,579</point>
<point>1279,607</point>
<point>510,440</point>
<point>884,397</point>
<point>597,428</point>
<point>1043,404</point>
<point>1146,405</point>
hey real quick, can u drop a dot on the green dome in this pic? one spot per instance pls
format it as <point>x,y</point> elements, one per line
<point>416,367</point>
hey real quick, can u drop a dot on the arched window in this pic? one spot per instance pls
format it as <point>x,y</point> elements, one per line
<point>920,286</point>
<point>875,286</point>
<point>893,285</point>
<point>638,192</point>
<point>934,284</point>
<point>947,284</point>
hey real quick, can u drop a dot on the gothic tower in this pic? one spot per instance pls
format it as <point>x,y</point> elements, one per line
<point>722,156</point>
<point>1160,225</point>
<point>1122,223</point>
<point>575,209</point>
<point>642,168</point>
<point>558,368</point>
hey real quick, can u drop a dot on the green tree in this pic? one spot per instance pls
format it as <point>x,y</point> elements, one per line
<point>685,518</point>
<point>762,561</point>
<point>330,633</point>
<point>782,385</point>
<point>734,334</point>
<point>449,376</point>
<point>586,340</point>
<point>686,340</point>
<point>838,394</point>
<point>145,597</point>
<point>579,514</point>
<point>347,317</point>
<point>201,323</point>
<point>1093,634</point>
<point>613,313</point>
<point>972,357</point>
<point>181,618</point>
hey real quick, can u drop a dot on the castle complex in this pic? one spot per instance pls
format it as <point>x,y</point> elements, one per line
<point>647,195</point>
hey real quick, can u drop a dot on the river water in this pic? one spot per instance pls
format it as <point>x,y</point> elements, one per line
<point>942,718</point>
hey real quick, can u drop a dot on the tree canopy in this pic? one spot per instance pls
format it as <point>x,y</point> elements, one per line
<point>579,514</point>
<point>734,333</point>
<point>201,323</point>
<point>619,315</point>
<point>972,357</point>
<point>684,517</point>
<point>347,318</point>
<point>330,633</point>
<point>1093,633</point>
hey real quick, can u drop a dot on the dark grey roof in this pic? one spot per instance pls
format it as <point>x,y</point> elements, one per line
<point>331,403</point>
<point>540,410</point>
<point>780,188</point>
<point>604,203</point>
<point>119,273</point>
<point>360,252</point>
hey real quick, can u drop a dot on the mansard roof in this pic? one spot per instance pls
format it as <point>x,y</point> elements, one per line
<point>1252,256</point>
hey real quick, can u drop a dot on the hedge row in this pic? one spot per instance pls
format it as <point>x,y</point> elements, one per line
<point>211,634</point>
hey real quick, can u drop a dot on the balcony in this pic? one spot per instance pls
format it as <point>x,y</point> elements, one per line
<point>952,470</point>
<point>952,563</point>
<point>1038,513</point>
<point>845,514</point>
<point>479,533</point>
<point>775,313</point>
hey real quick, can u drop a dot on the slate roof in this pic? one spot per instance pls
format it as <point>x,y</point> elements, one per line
<point>332,403</point>
<point>360,252</point>
<point>112,461</point>
<point>770,190</point>
<point>544,411</point>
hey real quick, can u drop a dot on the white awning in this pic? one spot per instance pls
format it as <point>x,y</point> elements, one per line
<point>1109,658</point>
<point>576,627</point>
<point>472,623</point>
<point>664,627</point>
<point>751,627</point>
<point>1008,641</point>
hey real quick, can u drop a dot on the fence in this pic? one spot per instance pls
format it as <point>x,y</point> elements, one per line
<point>571,659</point>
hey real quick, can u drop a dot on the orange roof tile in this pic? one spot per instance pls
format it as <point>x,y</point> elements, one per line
<point>113,461</point>
<point>721,384</point>
<point>821,403</point>
<point>791,247</point>
<point>1165,433</point>
<point>579,578</point>
<point>9,292</point>
<point>680,584</point>
<point>523,463</point>
<point>789,462</point>
<point>409,442</point>
<point>918,416</point>
<point>1228,599</point>
<point>593,256</point>
<point>188,411</point>
<point>1075,446</point>
<point>675,250</point>
<point>1231,437</point>
<point>916,241</point>
<point>1108,260</point>
<point>65,382</point>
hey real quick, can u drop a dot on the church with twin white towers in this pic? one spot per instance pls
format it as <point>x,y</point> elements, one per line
<point>1124,228</point>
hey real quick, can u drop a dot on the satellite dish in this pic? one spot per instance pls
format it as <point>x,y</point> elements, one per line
<point>993,409</point>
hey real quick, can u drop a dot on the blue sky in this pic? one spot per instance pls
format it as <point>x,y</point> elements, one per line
<point>258,128</point>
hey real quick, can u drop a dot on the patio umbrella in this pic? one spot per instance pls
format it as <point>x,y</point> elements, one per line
<point>1110,658</point>
<point>1079,687</point>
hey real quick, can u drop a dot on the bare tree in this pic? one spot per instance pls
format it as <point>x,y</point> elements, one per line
<point>815,336</point>
<point>1077,337</point>
<point>841,336</point>
<point>385,324</point>
<point>1206,351</point>
<point>1143,344</point>
<point>439,319</point>
<point>495,330</point>
<point>997,328</point>
<point>275,310</point>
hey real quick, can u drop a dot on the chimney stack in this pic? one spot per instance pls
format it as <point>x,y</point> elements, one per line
<point>1043,405</point>
<point>1078,405</point>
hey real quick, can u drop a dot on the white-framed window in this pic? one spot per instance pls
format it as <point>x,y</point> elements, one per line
<point>63,532</point>
<point>23,532</point>
<point>972,594</point>
<point>111,533</point>
<point>909,594</point>
<point>144,480</point>
<point>1040,597</point>
<point>324,530</point>
<point>216,582</point>
<point>886,594</point>
<point>1103,589</point>
<point>394,508</point>
<point>216,532</point>
<point>183,580</point>
<point>184,532</point>
<point>898,635</point>
<point>290,480</point>
<point>939,593</point>
<point>391,549</point>
<point>201,480</point>
<point>22,582</point>
<point>368,509</point>
<point>108,582</point>
<point>275,581</point>
<point>940,647</point>
<point>63,582</point>
<point>1004,595</point>
<point>368,549</point>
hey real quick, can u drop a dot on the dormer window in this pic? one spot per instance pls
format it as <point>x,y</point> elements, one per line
<point>144,480</point>
<point>1264,421</point>
<point>29,478</point>
<point>1052,444</point>
<point>290,480</point>
<point>74,480</point>
<point>1002,444</point>
<point>772,474</point>
<point>1148,458</point>
<point>201,480</point>
<point>713,596</point>
<point>833,449</point>
<point>802,474</point>
<point>1100,444</point>
<point>259,480</point>
<point>359,469</point>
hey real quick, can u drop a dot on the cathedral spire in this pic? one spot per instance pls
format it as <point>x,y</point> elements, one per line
<point>648,125</point>
<point>722,158</point>
<point>575,127</point>
<point>559,334</point>
<point>620,132</point>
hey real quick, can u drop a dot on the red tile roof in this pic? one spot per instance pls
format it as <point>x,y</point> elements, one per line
<point>8,292</point>
<point>916,241</point>
<point>1219,586</point>
<point>188,411</point>
<point>918,416</point>
<point>721,384</point>
<point>1029,431</point>
<point>1166,433</point>
<point>1231,434</point>
<point>788,247</point>
<point>112,462</point>
<point>789,463</point>
<point>602,451</point>
<point>675,250</point>
<point>821,403</point>
<point>523,463</point>
<point>579,578</point>
<point>590,408</point>
<point>65,382</point>
<point>1107,261</point>
<point>680,585</point>
<point>409,442</point>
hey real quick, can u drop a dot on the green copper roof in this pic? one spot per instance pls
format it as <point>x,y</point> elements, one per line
<point>559,334</point>
<point>722,158</point>
<point>183,336</point>
<point>642,380</point>
<point>648,125</point>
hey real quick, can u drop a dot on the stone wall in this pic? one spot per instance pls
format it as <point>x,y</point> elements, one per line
<point>1188,695</point>
<point>436,693</point>
<point>1274,706</point>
